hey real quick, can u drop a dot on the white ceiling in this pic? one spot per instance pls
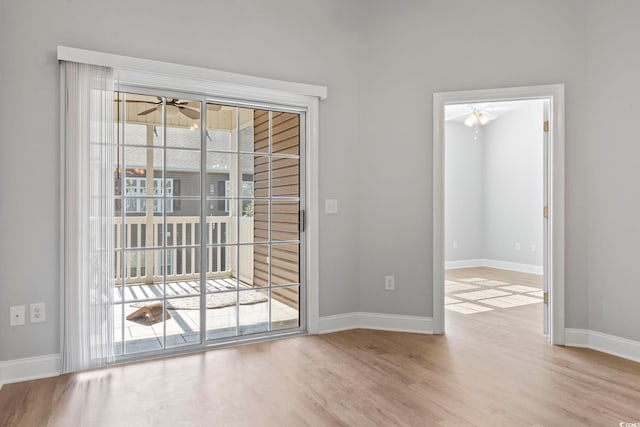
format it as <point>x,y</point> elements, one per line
<point>458,112</point>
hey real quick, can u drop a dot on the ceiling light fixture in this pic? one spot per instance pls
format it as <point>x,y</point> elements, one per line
<point>476,118</point>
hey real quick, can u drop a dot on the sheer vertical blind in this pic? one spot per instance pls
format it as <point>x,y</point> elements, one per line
<point>88,180</point>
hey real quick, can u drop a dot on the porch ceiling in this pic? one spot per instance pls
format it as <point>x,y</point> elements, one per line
<point>218,117</point>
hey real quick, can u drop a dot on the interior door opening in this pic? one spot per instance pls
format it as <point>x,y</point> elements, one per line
<point>495,194</point>
<point>482,205</point>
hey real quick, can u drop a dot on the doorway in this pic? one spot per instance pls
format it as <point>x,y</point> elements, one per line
<point>210,244</point>
<point>476,109</point>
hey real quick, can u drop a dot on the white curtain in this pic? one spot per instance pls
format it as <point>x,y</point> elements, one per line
<point>88,170</point>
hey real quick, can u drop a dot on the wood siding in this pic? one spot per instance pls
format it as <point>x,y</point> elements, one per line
<point>285,182</point>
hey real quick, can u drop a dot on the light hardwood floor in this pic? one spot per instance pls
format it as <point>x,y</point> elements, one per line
<point>490,369</point>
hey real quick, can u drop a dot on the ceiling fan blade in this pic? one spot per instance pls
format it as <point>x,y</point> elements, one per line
<point>149,111</point>
<point>214,107</point>
<point>189,104</point>
<point>189,112</point>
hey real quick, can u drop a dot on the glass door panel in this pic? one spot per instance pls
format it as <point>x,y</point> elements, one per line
<point>285,308</point>
<point>262,211</point>
<point>207,228</point>
<point>157,200</point>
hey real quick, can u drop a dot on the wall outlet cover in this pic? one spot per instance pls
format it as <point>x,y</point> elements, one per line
<point>37,312</point>
<point>17,315</point>
<point>389,283</point>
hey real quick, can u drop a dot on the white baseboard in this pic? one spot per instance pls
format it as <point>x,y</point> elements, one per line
<point>611,344</point>
<point>576,337</point>
<point>514,266</point>
<point>464,263</point>
<point>494,263</point>
<point>29,368</point>
<point>378,321</point>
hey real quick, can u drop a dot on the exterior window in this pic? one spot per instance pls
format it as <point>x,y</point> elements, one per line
<point>137,187</point>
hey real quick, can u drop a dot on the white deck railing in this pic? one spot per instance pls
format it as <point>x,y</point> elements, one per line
<point>181,262</point>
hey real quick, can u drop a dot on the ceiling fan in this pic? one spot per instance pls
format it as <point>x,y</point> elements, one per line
<point>471,115</point>
<point>182,106</point>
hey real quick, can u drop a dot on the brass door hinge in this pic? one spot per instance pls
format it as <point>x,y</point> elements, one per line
<point>545,298</point>
<point>545,212</point>
<point>546,126</point>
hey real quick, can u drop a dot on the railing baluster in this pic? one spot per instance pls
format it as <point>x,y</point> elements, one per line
<point>220,248</point>
<point>127,257</point>
<point>117,229</point>
<point>193,250</point>
<point>183,235</point>
<point>212,229</point>
<point>207,248</point>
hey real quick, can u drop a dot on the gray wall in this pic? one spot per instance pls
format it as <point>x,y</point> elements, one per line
<point>464,201</point>
<point>614,168</point>
<point>407,51</point>
<point>382,61</point>
<point>514,186</point>
<point>313,42</point>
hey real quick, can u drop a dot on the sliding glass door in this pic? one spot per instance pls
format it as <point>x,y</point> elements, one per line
<point>208,229</point>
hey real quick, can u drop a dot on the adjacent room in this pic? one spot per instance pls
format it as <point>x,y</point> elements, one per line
<point>494,208</point>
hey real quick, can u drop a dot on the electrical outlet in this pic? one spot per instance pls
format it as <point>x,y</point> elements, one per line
<point>389,283</point>
<point>455,244</point>
<point>16,314</point>
<point>517,246</point>
<point>37,312</point>
<point>533,248</point>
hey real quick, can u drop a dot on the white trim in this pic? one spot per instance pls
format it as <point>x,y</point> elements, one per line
<point>337,322</point>
<point>514,266</point>
<point>494,263</point>
<point>576,338</point>
<point>312,216</point>
<point>149,66</point>
<point>29,368</point>
<point>556,218</point>
<point>376,321</point>
<point>610,344</point>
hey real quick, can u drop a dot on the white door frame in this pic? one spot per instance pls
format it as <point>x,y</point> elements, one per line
<point>555,221</point>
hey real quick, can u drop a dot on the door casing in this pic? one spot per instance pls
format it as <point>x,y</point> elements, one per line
<point>555,270</point>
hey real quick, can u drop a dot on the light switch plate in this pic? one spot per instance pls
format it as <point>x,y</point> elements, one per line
<point>331,206</point>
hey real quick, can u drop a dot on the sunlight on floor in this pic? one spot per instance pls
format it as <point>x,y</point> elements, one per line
<point>487,295</point>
